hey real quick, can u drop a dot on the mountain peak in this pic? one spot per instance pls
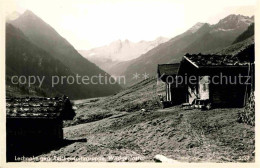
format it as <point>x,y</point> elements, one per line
<point>234,17</point>
<point>29,15</point>
<point>120,50</point>
<point>50,41</point>
<point>196,27</point>
<point>234,21</point>
<point>28,12</point>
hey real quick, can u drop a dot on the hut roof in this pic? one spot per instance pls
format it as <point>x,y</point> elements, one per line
<point>35,107</point>
<point>168,69</point>
<point>200,60</point>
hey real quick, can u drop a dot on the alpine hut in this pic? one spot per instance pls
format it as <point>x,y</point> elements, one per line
<point>33,123</point>
<point>217,80</point>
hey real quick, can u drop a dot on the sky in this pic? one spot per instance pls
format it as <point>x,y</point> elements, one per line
<point>88,24</point>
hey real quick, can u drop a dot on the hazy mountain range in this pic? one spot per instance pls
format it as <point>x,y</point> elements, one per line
<point>48,43</point>
<point>200,38</point>
<point>108,56</point>
<point>34,48</point>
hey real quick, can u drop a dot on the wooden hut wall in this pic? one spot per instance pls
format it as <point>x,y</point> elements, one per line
<point>29,137</point>
<point>221,95</point>
<point>34,130</point>
<point>227,95</point>
<point>178,95</point>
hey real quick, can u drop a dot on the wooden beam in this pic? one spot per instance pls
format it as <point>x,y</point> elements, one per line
<point>193,63</point>
<point>170,94</point>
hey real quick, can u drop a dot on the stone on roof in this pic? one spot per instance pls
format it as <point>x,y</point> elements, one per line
<point>37,107</point>
<point>214,60</point>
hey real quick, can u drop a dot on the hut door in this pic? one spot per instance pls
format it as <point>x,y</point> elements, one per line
<point>204,88</point>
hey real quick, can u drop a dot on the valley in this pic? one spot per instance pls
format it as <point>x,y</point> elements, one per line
<point>100,132</point>
<point>127,122</point>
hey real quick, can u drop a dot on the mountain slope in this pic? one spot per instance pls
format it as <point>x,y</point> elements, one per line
<point>246,34</point>
<point>221,34</point>
<point>236,48</point>
<point>45,37</point>
<point>25,59</point>
<point>108,56</point>
<point>163,52</point>
<point>205,37</point>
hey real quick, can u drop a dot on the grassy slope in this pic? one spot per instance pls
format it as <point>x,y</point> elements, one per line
<point>140,96</point>
<point>187,136</point>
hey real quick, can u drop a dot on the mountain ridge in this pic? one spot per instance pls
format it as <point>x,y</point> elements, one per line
<point>26,59</point>
<point>114,48</point>
<point>120,50</point>
<point>47,38</point>
<point>207,37</point>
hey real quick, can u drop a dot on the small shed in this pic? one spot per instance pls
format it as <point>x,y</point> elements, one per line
<point>32,123</point>
<point>166,75</point>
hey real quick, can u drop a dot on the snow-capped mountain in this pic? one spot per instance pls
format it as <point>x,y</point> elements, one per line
<point>122,50</point>
<point>196,27</point>
<point>118,51</point>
